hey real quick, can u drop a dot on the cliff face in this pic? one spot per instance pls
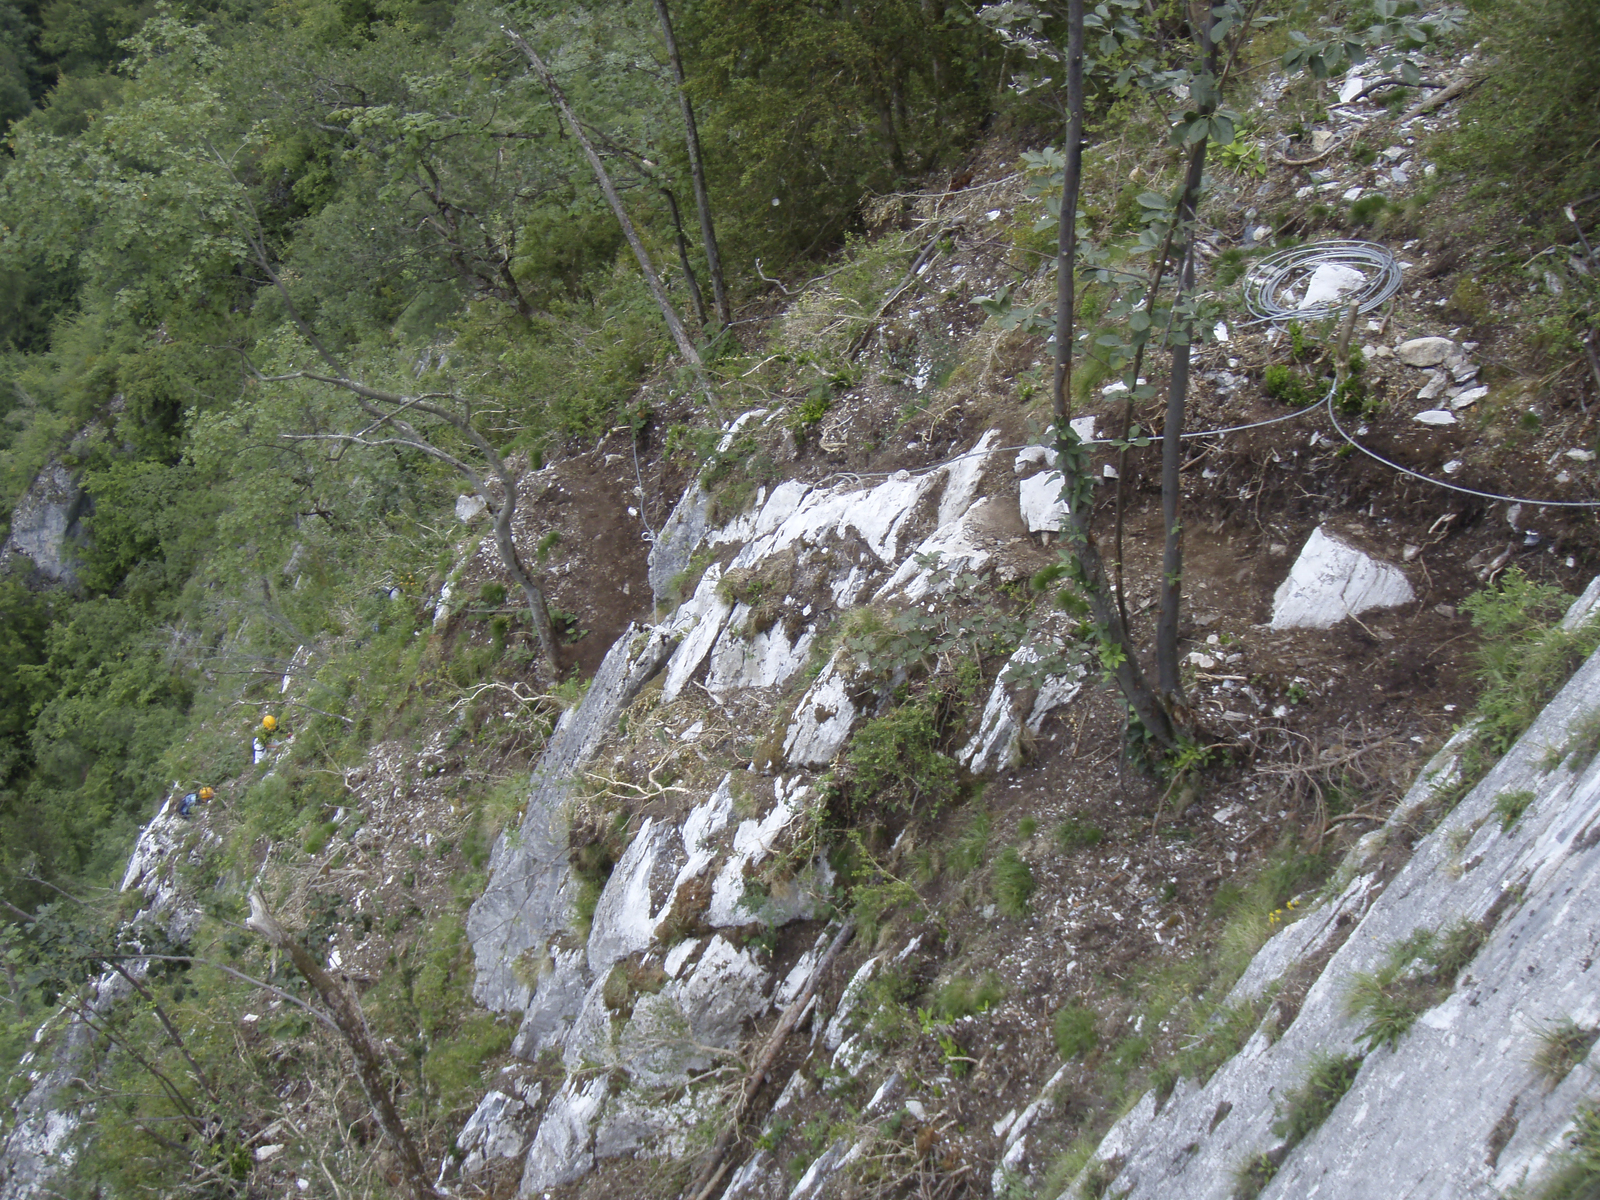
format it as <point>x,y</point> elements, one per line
<point>1467,1102</point>
<point>45,525</point>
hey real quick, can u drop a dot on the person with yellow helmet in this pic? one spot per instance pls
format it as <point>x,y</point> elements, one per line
<point>186,805</point>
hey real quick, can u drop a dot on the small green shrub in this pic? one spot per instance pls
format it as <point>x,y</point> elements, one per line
<point>1308,1106</point>
<point>1582,744</point>
<point>1251,1177</point>
<point>1026,828</point>
<point>1578,1176</point>
<point>493,594</point>
<point>1509,807</point>
<point>1013,883</point>
<point>1073,834</point>
<point>1523,654</point>
<point>1076,1031</point>
<point>1562,1046</point>
<point>896,760</point>
<point>1369,209</point>
<point>1417,974</point>
<point>967,851</point>
<point>1286,385</point>
<point>965,996</point>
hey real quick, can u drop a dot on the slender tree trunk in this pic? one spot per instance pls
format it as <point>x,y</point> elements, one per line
<point>702,198</point>
<point>1078,483</point>
<point>668,313</point>
<point>347,1015</point>
<point>695,297</point>
<point>1168,677</point>
<point>507,545</point>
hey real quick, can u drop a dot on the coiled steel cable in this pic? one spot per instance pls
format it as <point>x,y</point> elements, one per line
<point>1270,283</point>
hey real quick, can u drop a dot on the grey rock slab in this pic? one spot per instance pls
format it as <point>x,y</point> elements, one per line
<point>46,525</point>
<point>822,721</point>
<point>675,1031</point>
<point>1425,351</point>
<point>497,1128</point>
<point>1421,1120</point>
<point>1435,416</point>
<point>1438,381</point>
<point>699,621</point>
<point>470,507</point>
<point>678,539</point>
<point>1332,580</point>
<point>563,1148</point>
<point>531,891</point>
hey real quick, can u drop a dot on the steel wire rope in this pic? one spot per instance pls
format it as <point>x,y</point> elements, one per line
<point>1268,283</point>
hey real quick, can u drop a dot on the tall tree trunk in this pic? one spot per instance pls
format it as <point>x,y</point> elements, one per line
<point>697,172</point>
<point>347,1015</point>
<point>695,297</point>
<point>668,313</point>
<point>1168,676</point>
<point>507,545</point>
<point>1078,481</point>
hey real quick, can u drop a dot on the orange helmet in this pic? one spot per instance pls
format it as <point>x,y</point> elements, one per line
<point>206,793</point>
<point>269,722</point>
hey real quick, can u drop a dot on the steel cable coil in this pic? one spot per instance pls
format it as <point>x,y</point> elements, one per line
<point>1271,283</point>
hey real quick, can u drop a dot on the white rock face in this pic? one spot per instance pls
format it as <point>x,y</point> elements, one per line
<point>996,744</point>
<point>622,921</point>
<point>563,1149</point>
<point>961,486</point>
<point>822,721</point>
<point>703,617</point>
<point>1436,416</point>
<point>1332,580</point>
<point>495,1130</point>
<point>752,842</point>
<point>1039,499</point>
<point>671,1030</point>
<point>1454,1110</point>
<point>1425,352</point>
<point>469,507</point>
<point>833,1036</point>
<point>762,660</point>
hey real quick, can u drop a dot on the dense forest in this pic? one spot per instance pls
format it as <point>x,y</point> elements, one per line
<point>405,177</point>
<point>237,237</point>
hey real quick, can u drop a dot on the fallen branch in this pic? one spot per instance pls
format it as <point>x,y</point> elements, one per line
<point>1306,162</point>
<point>1443,96</point>
<point>713,1169</point>
<point>922,258</point>
<point>347,1016</point>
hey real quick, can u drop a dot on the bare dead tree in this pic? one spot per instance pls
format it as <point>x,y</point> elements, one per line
<point>669,314</point>
<point>390,428</point>
<point>352,1025</point>
<point>702,199</point>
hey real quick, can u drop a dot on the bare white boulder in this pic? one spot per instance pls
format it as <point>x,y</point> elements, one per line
<point>469,508</point>
<point>563,1149</point>
<point>1039,499</point>
<point>1332,580</point>
<point>1425,352</point>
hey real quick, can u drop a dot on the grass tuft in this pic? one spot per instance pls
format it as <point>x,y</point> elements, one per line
<point>1309,1105</point>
